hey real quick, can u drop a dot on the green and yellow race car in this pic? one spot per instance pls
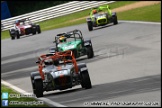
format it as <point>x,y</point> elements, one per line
<point>100,16</point>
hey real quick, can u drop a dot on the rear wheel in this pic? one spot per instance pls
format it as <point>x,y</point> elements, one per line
<point>17,35</point>
<point>90,26</point>
<point>90,53</point>
<point>12,37</point>
<point>115,20</point>
<point>38,29</point>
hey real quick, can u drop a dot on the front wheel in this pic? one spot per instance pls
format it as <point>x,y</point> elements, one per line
<point>32,75</point>
<point>86,82</point>
<point>38,88</point>
<point>90,53</point>
<point>90,26</point>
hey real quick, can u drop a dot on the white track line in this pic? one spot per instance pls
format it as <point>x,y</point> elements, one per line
<point>140,22</point>
<point>47,101</point>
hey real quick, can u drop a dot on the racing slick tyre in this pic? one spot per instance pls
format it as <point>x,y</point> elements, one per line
<point>81,65</point>
<point>38,88</point>
<point>90,25</point>
<point>86,82</point>
<point>115,20</point>
<point>38,29</point>
<point>32,75</point>
<point>12,34</point>
<point>12,37</point>
<point>90,53</point>
<point>17,35</point>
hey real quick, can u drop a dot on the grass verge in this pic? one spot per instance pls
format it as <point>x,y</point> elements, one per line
<point>148,13</point>
<point>14,96</point>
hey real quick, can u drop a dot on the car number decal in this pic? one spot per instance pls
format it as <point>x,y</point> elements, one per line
<point>61,73</point>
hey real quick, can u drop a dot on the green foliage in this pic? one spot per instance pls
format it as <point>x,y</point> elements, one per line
<point>21,7</point>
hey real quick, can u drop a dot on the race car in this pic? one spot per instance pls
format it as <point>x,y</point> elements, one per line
<point>24,27</point>
<point>74,41</point>
<point>100,16</point>
<point>59,71</point>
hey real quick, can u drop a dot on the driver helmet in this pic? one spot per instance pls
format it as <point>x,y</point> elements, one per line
<point>48,62</point>
<point>17,22</point>
<point>62,39</point>
<point>94,11</point>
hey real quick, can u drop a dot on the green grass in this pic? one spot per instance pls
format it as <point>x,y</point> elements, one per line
<point>69,20</point>
<point>21,99</point>
<point>148,13</point>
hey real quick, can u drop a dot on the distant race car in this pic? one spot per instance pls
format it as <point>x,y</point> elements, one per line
<point>59,71</point>
<point>73,40</point>
<point>100,16</point>
<point>24,27</point>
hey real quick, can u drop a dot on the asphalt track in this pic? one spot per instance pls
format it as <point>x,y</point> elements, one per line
<point>126,68</point>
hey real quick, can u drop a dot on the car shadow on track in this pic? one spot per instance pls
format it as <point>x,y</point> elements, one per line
<point>105,26</point>
<point>26,36</point>
<point>109,90</point>
<point>61,92</point>
<point>128,87</point>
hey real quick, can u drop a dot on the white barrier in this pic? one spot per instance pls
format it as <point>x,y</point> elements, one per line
<point>53,12</point>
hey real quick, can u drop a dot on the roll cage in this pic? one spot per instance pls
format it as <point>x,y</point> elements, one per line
<point>24,20</point>
<point>100,9</point>
<point>76,34</point>
<point>62,56</point>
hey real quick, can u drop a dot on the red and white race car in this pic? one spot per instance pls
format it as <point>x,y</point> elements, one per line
<point>24,27</point>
